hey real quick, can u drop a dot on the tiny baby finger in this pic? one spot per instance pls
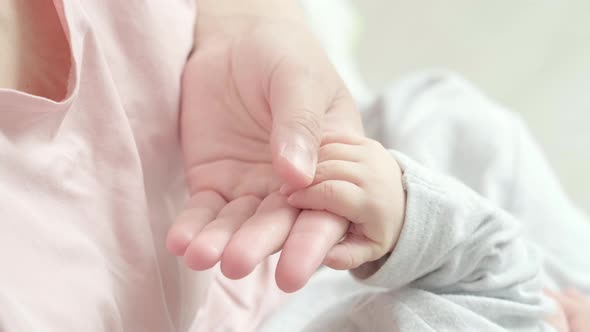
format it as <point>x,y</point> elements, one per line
<point>338,170</point>
<point>339,151</point>
<point>339,197</point>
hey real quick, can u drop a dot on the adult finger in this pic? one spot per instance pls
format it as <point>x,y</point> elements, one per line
<point>201,209</point>
<point>259,237</point>
<point>298,104</point>
<point>353,251</point>
<point>206,248</point>
<point>312,236</point>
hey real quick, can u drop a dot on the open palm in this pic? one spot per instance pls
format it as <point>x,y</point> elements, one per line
<point>254,108</point>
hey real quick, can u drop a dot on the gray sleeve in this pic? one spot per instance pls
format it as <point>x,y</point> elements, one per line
<point>457,245</point>
<point>482,203</point>
<point>446,125</point>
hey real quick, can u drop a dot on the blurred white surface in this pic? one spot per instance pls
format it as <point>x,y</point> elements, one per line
<point>531,56</point>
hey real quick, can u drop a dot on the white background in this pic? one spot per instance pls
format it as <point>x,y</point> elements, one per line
<point>531,56</point>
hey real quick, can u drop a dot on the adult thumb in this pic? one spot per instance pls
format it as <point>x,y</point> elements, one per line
<point>298,105</point>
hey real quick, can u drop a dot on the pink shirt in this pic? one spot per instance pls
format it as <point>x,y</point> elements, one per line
<point>91,184</point>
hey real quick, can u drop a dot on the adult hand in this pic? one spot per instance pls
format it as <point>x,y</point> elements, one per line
<point>258,92</point>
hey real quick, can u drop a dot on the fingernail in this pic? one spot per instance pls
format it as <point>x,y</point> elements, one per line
<point>300,155</point>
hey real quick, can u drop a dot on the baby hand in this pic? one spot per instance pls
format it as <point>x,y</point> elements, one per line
<point>358,179</point>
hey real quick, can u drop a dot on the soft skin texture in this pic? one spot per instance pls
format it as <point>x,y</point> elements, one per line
<point>258,92</point>
<point>358,179</point>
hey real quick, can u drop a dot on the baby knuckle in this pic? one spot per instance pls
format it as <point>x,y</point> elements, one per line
<point>323,170</point>
<point>328,191</point>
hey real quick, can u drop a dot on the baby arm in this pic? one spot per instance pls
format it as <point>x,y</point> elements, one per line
<point>442,237</point>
